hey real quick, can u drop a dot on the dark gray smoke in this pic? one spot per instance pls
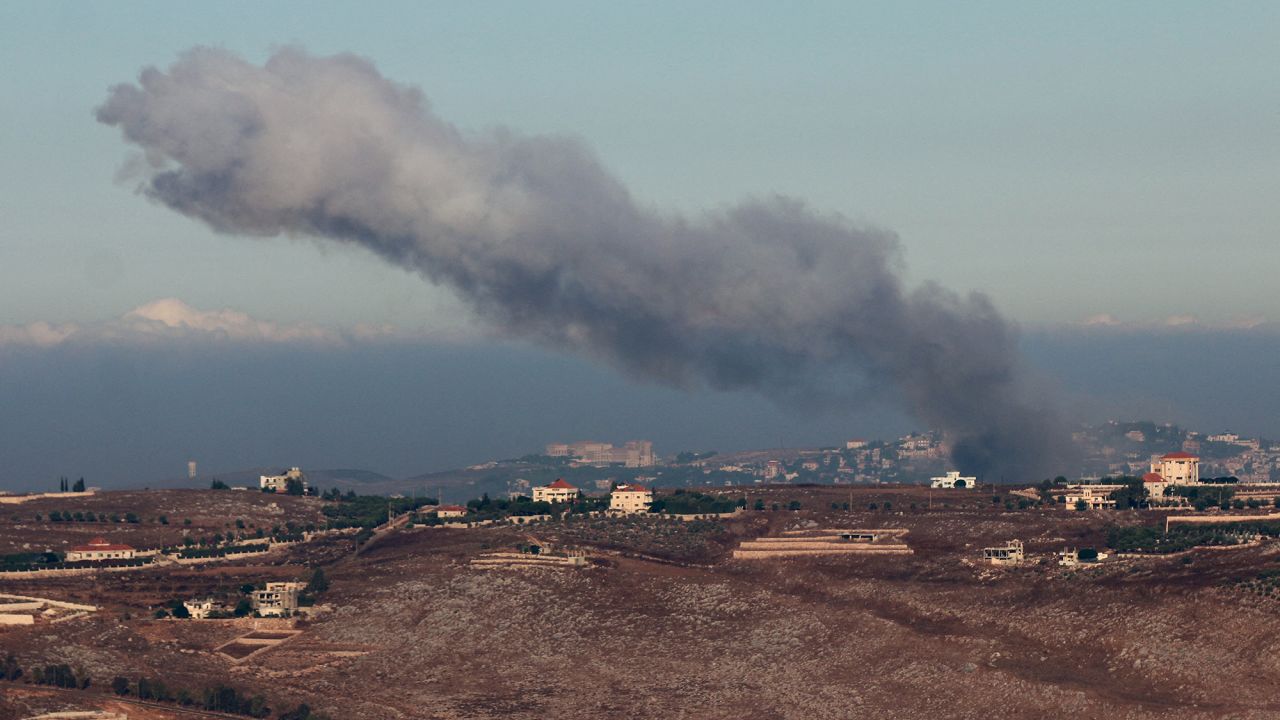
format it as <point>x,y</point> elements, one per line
<point>546,245</point>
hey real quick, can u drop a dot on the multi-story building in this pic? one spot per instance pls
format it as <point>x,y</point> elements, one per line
<point>634,453</point>
<point>280,483</point>
<point>278,599</point>
<point>1095,497</point>
<point>630,499</point>
<point>1177,468</point>
<point>557,492</point>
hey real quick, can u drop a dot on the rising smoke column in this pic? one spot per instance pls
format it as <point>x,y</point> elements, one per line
<point>546,245</point>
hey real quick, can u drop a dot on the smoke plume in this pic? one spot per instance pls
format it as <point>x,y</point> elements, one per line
<point>546,245</point>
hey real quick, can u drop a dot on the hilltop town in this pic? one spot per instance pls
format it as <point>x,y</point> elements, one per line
<point>771,585</point>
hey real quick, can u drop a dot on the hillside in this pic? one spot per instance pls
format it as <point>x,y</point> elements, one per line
<point>661,623</point>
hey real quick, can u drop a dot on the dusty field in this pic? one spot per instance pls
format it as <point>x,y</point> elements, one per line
<point>661,624</point>
<point>207,511</point>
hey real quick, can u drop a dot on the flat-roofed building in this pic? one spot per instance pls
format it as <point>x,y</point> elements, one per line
<point>630,499</point>
<point>953,479</point>
<point>278,599</point>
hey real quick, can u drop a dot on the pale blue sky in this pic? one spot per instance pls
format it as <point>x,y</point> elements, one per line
<point>1064,157</point>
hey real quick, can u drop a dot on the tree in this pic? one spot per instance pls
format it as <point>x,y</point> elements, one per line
<point>760,504</point>
<point>1081,505</point>
<point>293,486</point>
<point>961,484</point>
<point>218,485</point>
<point>120,685</point>
<point>79,486</point>
<point>793,505</point>
<point>319,583</point>
<point>10,670</point>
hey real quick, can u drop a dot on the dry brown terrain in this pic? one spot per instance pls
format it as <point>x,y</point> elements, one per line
<point>207,511</point>
<point>662,624</point>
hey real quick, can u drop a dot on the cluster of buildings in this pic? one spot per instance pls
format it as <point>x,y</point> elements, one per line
<point>275,599</point>
<point>1124,448</point>
<point>623,499</point>
<point>633,454</point>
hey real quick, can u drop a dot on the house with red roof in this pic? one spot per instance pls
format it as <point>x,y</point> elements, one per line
<point>557,492</point>
<point>630,499</point>
<point>1177,468</point>
<point>99,549</point>
<point>1155,484</point>
<point>450,511</point>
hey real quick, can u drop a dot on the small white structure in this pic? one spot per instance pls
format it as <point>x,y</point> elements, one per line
<point>280,483</point>
<point>200,609</point>
<point>630,499</point>
<point>1008,554</point>
<point>450,511</point>
<point>953,479</point>
<point>1068,558</point>
<point>279,599</point>
<point>99,549</point>
<point>557,492</point>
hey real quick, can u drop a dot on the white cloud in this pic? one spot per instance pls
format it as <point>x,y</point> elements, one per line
<point>170,319</point>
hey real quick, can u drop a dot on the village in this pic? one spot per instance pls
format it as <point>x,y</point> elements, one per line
<point>266,578</point>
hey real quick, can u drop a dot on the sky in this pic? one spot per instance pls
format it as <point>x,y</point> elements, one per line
<point>1112,164</point>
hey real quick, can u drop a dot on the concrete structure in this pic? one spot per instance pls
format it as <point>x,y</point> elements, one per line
<point>630,499</point>
<point>557,492</point>
<point>1095,497</point>
<point>855,444</point>
<point>772,470</point>
<point>200,609</point>
<point>450,511</point>
<point>1155,485</point>
<point>878,541</point>
<point>635,453</point>
<point>278,599</point>
<point>99,549</point>
<point>1010,553</point>
<point>280,483</point>
<point>953,479</point>
<point>1178,468</point>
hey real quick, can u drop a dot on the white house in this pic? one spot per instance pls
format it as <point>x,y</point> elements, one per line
<point>630,499</point>
<point>450,511</point>
<point>99,549</point>
<point>280,483</point>
<point>557,492</point>
<point>200,609</point>
<point>1095,497</point>
<point>953,479</point>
